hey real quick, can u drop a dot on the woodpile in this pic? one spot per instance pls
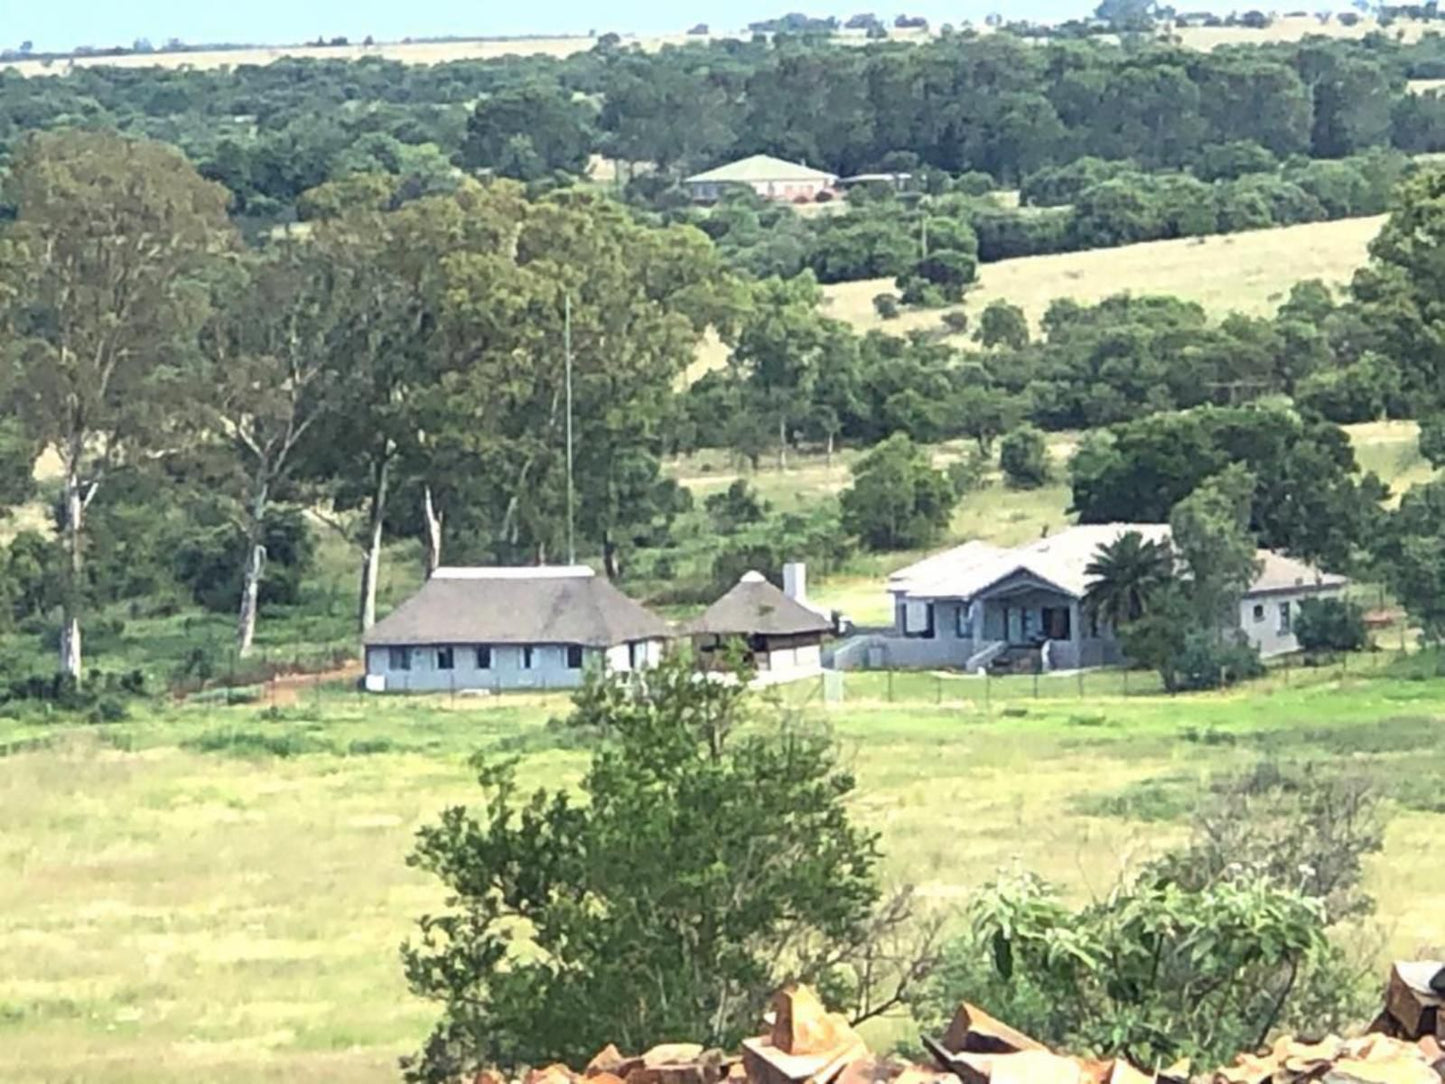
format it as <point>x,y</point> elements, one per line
<point>807,1044</point>
<point>1414,1001</point>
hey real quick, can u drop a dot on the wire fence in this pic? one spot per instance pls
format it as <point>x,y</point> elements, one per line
<point>982,691</point>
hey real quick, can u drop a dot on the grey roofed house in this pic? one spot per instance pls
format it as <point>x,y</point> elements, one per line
<point>769,177</point>
<point>979,605</point>
<point>783,635</point>
<point>510,628</point>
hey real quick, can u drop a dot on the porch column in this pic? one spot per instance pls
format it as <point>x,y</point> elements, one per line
<point>1076,633</point>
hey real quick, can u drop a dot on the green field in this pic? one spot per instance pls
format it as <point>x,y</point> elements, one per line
<point>178,903</point>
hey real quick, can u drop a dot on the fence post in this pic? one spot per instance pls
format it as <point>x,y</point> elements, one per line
<point>1036,682</point>
<point>938,688</point>
<point>987,694</point>
<point>890,685</point>
<point>1079,674</point>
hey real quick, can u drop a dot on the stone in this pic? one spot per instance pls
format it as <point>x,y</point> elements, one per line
<point>974,1031</point>
<point>801,1024</point>
<point>611,1060</point>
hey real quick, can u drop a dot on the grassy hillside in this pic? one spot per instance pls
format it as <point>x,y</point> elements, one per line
<point>1246,272</point>
<point>180,904</point>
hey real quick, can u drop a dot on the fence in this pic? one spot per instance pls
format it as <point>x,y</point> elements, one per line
<point>982,692</point>
<point>221,669</point>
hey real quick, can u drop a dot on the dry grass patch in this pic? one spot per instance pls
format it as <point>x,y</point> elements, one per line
<point>1248,272</point>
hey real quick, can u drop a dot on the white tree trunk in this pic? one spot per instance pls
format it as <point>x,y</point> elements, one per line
<point>371,559</point>
<point>255,566</point>
<point>782,442</point>
<point>433,522</point>
<point>70,654</point>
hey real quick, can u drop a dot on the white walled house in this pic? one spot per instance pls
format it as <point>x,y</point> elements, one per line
<point>980,606</point>
<point>778,630</point>
<point>769,177</point>
<point>494,629</point>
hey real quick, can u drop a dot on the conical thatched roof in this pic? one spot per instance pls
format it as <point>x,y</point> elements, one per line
<point>754,606</point>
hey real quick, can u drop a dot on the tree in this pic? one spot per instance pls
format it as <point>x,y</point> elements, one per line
<point>1411,555</point>
<point>703,863</point>
<point>1124,575</point>
<point>269,351</point>
<point>1002,324</point>
<point>1024,458</point>
<point>1218,557</point>
<point>1330,624</point>
<point>1129,16</point>
<point>529,131</point>
<point>98,279</point>
<point>897,499</point>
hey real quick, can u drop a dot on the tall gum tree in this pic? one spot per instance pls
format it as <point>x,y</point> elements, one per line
<point>98,273</point>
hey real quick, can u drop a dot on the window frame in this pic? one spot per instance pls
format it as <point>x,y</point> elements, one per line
<point>399,659</point>
<point>574,652</point>
<point>482,656</point>
<point>529,657</point>
<point>1286,619</point>
<point>1259,613</point>
<point>446,657</point>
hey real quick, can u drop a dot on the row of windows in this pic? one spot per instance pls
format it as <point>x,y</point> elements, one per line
<point>446,657</point>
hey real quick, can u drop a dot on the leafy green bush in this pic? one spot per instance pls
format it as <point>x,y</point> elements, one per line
<point>1023,456</point>
<point>1210,660</point>
<point>1330,624</point>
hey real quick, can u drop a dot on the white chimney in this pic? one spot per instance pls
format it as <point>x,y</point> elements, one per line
<point>795,581</point>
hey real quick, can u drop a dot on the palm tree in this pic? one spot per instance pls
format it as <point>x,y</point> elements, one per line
<point>1123,576</point>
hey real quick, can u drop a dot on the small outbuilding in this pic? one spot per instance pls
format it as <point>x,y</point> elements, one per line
<point>474,629</point>
<point>781,634</point>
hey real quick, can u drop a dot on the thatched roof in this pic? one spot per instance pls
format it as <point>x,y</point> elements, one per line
<point>556,605</point>
<point>754,606</point>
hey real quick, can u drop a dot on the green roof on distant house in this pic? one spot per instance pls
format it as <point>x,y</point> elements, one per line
<point>761,168</point>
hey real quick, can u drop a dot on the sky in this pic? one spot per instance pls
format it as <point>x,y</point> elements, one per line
<point>61,25</point>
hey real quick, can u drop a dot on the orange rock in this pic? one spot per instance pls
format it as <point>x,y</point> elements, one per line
<point>552,1074</point>
<point>974,1031</point>
<point>608,1060</point>
<point>803,1026</point>
<point>489,1076</point>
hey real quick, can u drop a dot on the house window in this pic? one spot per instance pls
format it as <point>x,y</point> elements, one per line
<point>446,660</point>
<point>634,655</point>
<point>527,657</point>
<point>1286,624</point>
<point>484,657</point>
<point>1026,624</point>
<point>1258,612</point>
<point>400,658</point>
<point>574,656</point>
<point>1057,623</point>
<point>963,627</point>
<point>918,618</point>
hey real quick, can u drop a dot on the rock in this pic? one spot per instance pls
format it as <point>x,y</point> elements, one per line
<point>611,1060</point>
<point>801,1024</point>
<point>552,1074</point>
<point>974,1031</point>
<point>489,1076</point>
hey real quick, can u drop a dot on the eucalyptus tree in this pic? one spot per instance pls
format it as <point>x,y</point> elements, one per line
<point>100,282</point>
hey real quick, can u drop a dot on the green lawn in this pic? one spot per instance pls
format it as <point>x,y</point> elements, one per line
<point>178,904</point>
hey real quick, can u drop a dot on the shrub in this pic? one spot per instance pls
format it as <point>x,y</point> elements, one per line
<point>1211,661</point>
<point>1330,624</point>
<point>1024,458</point>
<point>886,306</point>
<point>956,321</point>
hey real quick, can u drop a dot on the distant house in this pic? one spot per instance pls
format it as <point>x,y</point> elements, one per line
<point>778,630</point>
<point>769,177</point>
<point>979,605</point>
<point>510,628</point>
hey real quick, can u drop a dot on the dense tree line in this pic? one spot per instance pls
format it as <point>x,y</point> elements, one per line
<point>996,104</point>
<point>403,366</point>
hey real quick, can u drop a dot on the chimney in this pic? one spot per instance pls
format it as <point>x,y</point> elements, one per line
<point>795,581</point>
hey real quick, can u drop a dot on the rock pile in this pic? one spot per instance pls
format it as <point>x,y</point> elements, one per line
<point>807,1044</point>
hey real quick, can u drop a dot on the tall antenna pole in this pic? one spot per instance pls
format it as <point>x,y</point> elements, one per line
<point>567,352</point>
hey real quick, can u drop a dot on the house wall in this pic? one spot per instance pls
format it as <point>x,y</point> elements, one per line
<point>798,655</point>
<point>549,668</point>
<point>1266,632</point>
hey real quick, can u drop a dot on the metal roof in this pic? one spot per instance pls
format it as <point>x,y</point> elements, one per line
<point>760,168</point>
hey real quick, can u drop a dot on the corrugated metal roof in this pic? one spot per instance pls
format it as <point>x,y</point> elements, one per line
<point>1061,559</point>
<point>558,605</point>
<point>758,169</point>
